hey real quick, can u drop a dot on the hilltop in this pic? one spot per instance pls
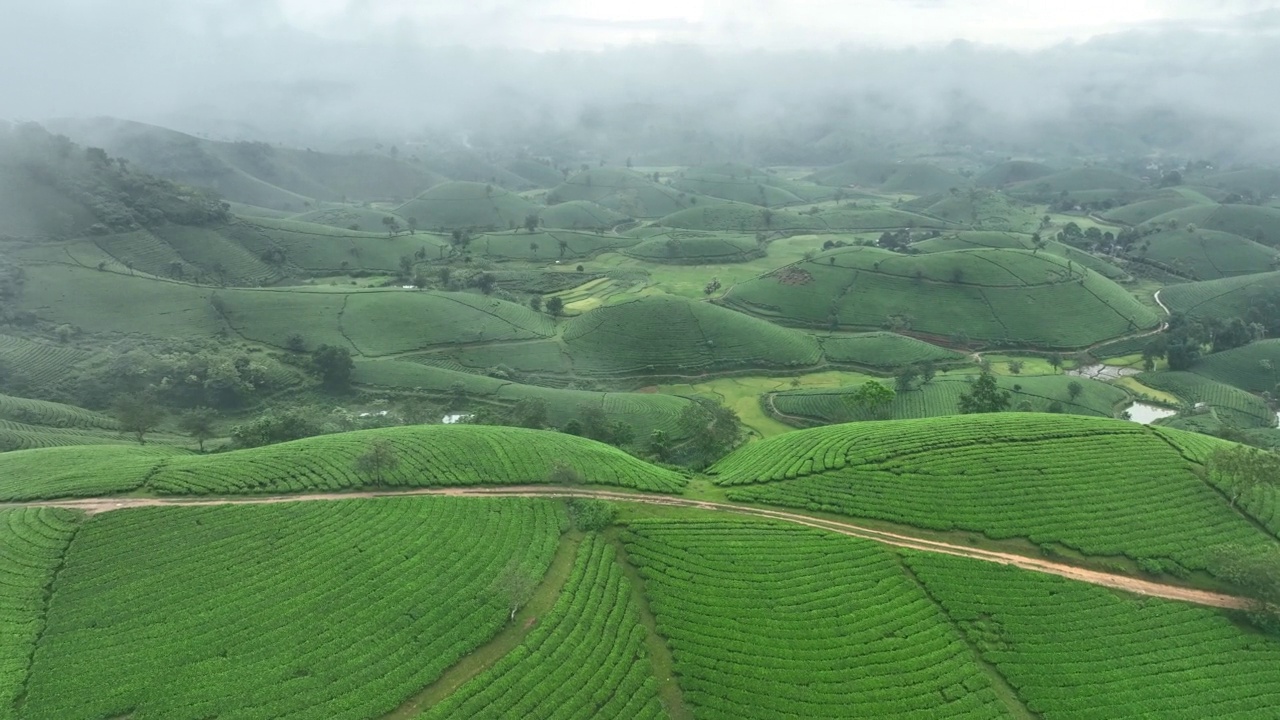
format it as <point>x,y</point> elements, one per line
<point>914,178</point>
<point>253,173</point>
<point>457,205</point>
<point>1001,297</point>
<point>623,191</point>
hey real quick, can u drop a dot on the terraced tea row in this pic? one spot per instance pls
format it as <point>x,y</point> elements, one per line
<point>32,544</point>
<point>999,296</point>
<point>1100,487</point>
<point>769,621</point>
<point>586,658</point>
<point>416,456</point>
<point>306,610</point>
<point>1077,651</point>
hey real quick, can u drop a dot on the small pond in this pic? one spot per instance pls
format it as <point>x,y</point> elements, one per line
<point>1146,413</point>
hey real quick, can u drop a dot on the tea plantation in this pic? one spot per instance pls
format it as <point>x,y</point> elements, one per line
<point>425,456</point>
<point>1099,487</point>
<point>1004,297</point>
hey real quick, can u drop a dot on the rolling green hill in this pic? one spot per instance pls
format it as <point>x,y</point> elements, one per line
<point>1004,297</point>
<point>371,322</point>
<point>1012,171</point>
<point>429,456</point>
<point>1143,210</point>
<point>941,396</point>
<point>254,173</point>
<point>1206,254</point>
<point>741,217</point>
<point>1260,224</point>
<point>976,209</point>
<point>1254,368</point>
<point>1231,405</point>
<point>1076,180</point>
<point>884,350</point>
<point>1262,182</point>
<point>579,215</point>
<point>394,592</point>
<point>1099,487</point>
<point>468,205</point>
<point>1225,298</point>
<point>623,191</point>
<point>450,378</point>
<point>972,239</point>
<point>696,248</point>
<point>913,178</point>
<point>666,335</point>
<point>744,184</point>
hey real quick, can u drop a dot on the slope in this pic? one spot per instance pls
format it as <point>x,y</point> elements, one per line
<point>1098,487</point>
<point>1005,297</point>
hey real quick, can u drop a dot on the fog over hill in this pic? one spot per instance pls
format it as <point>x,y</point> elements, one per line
<point>666,86</point>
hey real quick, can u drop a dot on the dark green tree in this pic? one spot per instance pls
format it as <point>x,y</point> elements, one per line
<point>871,401</point>
<point>555,305</point>
<point>1074,388</point>
<point>198,423</point>
<point>985,397</point>
<point>138,414</point>
<point>380,458</point>
<point>335,366</point>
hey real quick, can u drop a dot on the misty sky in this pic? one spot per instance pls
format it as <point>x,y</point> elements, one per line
<point>297,69</point>
<point>558,24</point>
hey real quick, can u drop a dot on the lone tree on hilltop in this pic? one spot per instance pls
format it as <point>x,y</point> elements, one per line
<point>137,414</point>
<point>198,423</point>
<point>985,397</point>
<point>871,401</point>
<point>380,458</point>
<point>334,365</point>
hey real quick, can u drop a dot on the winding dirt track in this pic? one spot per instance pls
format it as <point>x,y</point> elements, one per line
<point>1118,582</point>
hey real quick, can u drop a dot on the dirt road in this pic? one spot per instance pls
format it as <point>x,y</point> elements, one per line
<point>1093,577</point>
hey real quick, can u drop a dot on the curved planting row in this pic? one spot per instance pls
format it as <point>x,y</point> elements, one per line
<point>306,610</point>
<point>52,414</point>
<point>586,658</point>
<point>78,470</point>
<point>38,363</point>
<point>1077,651</point>
<point>1100,487</point>
<point>430,455</point>
<point>32,543</point>
<point>768,621</point>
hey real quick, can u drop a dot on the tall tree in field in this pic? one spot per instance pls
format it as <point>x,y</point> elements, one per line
<point>198,423</point>
<point>514,586</point>
<point>137,414</point>
<point>555,305</point>
<point>1074,388</point>
<point>985,397</point>
<point>334,365</point>
<point>380,458</point>
<point>1055,361</point>
<point>531,222</point>
<point>871,401</point>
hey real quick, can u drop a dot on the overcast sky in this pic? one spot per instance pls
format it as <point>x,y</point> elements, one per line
<point>556,24</point>
<point>271,67</point>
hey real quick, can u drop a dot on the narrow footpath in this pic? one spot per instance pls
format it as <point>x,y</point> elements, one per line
<point>1033,564</point>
